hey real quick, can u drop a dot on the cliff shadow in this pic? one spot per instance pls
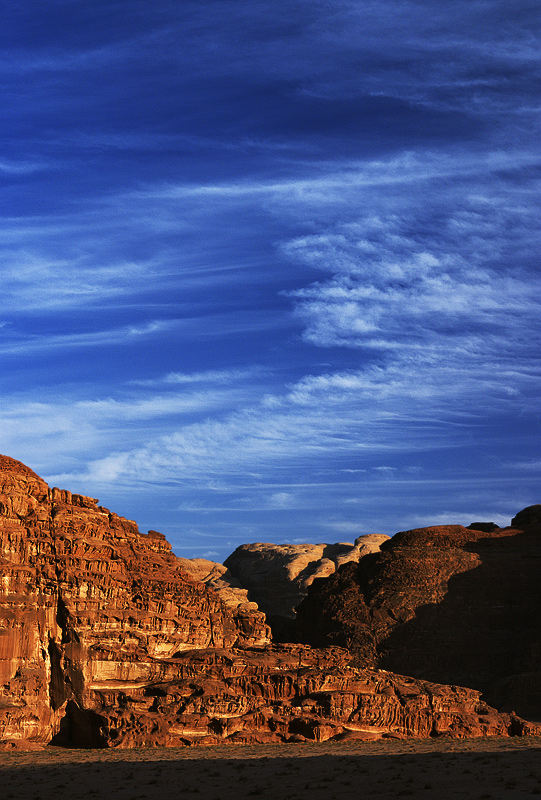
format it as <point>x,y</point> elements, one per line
<point>472,768</point>
<point>485,633</point>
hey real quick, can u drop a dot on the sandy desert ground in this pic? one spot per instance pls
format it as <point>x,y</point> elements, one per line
<point>494,768</point>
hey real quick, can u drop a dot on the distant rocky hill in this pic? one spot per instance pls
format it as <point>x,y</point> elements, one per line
<point>277,577</point>
<point>450,604</point>
<point>106,640</point>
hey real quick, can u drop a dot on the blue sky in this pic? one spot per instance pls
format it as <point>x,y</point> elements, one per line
<point>270,271</point>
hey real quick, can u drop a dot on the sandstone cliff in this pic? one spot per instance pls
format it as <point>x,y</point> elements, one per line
<point>88,602</point>
<point>449,604</point>
<point>106,641</point>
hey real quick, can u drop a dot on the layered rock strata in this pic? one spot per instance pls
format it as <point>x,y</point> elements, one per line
<point>276,694</point>
<point>106,641</point>
<point>86,601</point>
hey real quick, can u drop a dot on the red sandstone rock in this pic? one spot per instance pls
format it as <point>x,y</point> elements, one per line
<point>106,641</point>
<point>277,694</point>
<point>88,601</point>
<point>448,604</point>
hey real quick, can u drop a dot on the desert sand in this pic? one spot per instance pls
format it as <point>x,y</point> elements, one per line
<point>494,768</point>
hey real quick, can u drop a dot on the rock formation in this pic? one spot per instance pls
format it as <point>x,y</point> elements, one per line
<point>219,578</point>
<point>105,640</point>
<point>487,527</point>
<point>527,517</point>
<point>277,577</point>
<point>284,693</point>
<point>449,604</point>
<point>88,602</point>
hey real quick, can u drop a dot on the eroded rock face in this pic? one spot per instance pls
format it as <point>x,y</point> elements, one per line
<point>449,604</point>
<point>87,602</point>
<point>219,578</point>
<point>106,641</point>
<point>277,577</point>
<point>278,694</point>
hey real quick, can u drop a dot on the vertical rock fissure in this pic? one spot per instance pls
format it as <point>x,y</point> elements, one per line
<point>57,689</point>
<point>60,688</point>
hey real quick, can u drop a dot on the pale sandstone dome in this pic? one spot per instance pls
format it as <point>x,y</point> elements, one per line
<point>218,578</point>
<point>277,576</point>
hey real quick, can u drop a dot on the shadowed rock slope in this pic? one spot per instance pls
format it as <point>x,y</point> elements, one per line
<point>106,641</point>
<point>448,604</point>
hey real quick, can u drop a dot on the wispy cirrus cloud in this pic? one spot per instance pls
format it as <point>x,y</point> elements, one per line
<point>273,259</point>
<point>15,343</point>
<point>29,282</point>
<point>21,167</point>
<point>422,283</point>
<point>339,181</point>
<point>132,415</point>
<point>213,376</point>
<point>453,277</point>
<point>323,418</point>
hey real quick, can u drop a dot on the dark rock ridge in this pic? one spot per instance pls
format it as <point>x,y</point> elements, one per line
<point>449,604</point>
<point>487,527</point>
<point>106,641</point>
<point>528,516</point>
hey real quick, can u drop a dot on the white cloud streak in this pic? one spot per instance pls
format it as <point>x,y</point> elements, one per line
<point>14,343</point>
<point>320,418</point>
<point>424,283</point>
<point>29,282</point>
<point>214,376</point>
<point>336,182</point>
<point>450,282</point>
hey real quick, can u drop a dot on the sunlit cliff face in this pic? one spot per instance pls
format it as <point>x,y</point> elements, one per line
<point>108,642</point>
